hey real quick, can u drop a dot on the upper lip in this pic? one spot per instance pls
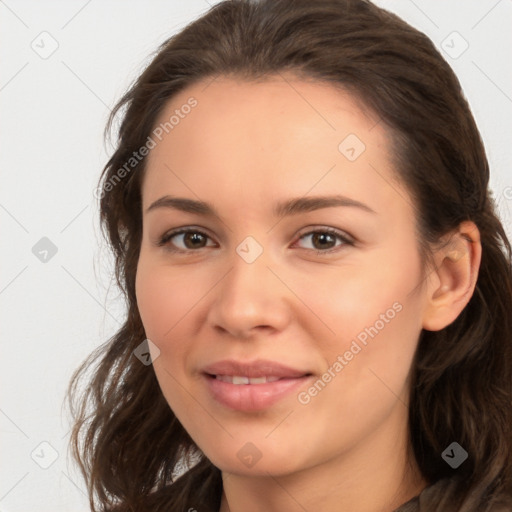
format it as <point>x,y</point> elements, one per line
<point>253,369</point>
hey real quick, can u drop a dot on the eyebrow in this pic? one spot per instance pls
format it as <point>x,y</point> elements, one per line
<point>286,208</point>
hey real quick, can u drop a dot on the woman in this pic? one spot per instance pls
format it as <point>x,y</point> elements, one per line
<point>299,209</point>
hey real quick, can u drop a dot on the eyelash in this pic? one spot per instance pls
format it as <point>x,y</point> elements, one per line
<point>166,238</point>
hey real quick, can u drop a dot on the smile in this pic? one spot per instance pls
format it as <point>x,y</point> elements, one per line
<point>252,386</point>
<point>246,394</point>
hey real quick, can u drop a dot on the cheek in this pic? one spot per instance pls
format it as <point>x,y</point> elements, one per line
<point>377,348</point>
<point>374,314</point>
<point>163,298</point>
<point>369,383</point>
<point>169,300</point>
<point>375,380</point>
<point>163,302</point>
<point>157,306</point>
<point>359,300</point>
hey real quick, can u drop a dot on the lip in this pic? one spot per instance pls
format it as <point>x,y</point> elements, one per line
<point>253,369</point>
<point>253,397</point>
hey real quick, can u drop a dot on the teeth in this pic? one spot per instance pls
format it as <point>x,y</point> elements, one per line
<point>237,379</point>
<point>240,380</point>
<point>258,380</point>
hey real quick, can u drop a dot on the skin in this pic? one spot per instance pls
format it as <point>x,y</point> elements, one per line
<point>243,148</point>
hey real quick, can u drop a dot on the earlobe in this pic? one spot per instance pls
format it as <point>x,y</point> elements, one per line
<point>452,282</point>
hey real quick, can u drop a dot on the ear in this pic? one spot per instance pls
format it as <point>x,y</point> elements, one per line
<point>450,285</point>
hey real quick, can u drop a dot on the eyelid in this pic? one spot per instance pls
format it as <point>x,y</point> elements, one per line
<point>326,229</point>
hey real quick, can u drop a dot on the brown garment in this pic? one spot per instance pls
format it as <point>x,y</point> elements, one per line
<point>420,503</point>
<point>433,498</point>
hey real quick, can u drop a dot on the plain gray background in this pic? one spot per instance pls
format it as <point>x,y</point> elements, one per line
<point>64,65</point>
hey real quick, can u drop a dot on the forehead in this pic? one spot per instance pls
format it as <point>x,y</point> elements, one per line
<point>282,134</point>
<point>275,110</point>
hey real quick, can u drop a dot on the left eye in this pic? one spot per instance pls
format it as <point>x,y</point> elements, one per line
<point>323,240</point>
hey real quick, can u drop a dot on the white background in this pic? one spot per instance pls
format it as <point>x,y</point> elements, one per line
<point>53,111</point>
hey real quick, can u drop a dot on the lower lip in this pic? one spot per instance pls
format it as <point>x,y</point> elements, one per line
<point>253,397</point>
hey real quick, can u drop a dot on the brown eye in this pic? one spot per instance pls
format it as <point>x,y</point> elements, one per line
<point>326,240</point>
<point>323,240</point>
<point>194,240</point>
<point>184,240</point>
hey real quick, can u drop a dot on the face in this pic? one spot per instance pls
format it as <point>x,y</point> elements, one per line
<point>285,323</point>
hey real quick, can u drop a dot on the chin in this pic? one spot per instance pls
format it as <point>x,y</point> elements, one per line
<point>256,459</point>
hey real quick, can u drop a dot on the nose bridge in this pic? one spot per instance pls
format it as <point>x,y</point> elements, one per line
<point>249,269</point>
<point>249,280</point>
<point>250,295</point>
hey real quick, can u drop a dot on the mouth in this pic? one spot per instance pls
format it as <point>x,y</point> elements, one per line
<point>238,380</point>
<point>252,386</point>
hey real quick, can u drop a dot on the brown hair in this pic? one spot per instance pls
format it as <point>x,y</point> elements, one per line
<point>127,441</point>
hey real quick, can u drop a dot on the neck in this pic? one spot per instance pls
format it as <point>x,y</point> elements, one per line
<point>380,475</point>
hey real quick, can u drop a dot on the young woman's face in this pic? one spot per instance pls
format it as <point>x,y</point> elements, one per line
<point>300,263</point>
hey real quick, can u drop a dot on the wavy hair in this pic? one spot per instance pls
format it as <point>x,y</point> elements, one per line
<point>131,449</point>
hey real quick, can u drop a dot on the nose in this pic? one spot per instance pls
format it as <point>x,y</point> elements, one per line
<point>250,300</point>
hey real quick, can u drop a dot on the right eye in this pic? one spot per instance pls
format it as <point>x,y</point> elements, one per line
<point>185,239</point>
